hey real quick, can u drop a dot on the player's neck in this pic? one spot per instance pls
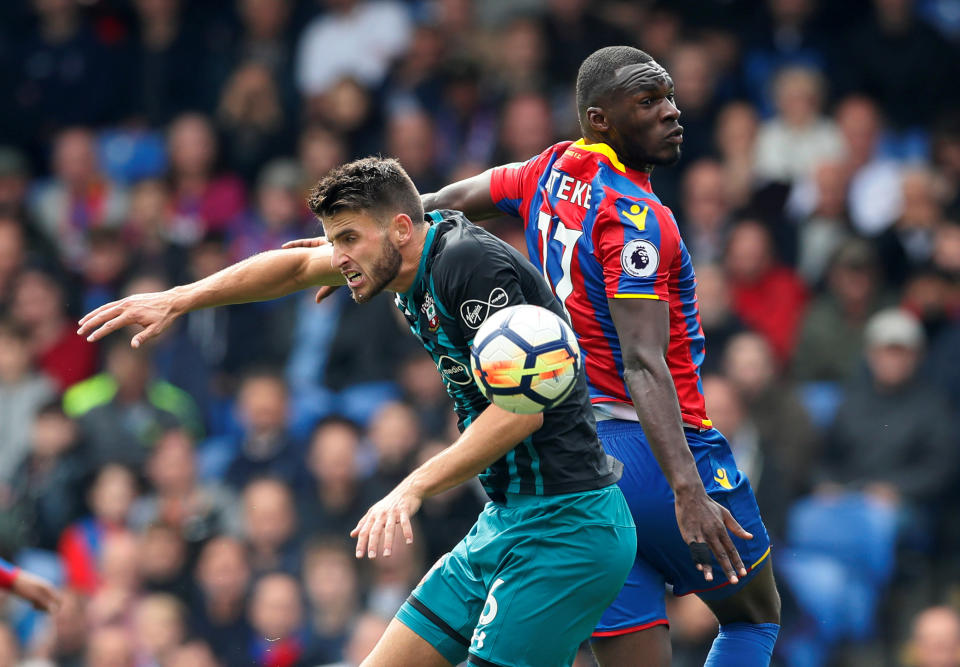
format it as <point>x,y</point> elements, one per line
<point>412,253</point>
<point>626,161</point>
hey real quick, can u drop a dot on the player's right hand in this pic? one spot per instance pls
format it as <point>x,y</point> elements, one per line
<point>704,524</point>
<point>38,592</point>
<point>154,311</point>
<point>314,242</point>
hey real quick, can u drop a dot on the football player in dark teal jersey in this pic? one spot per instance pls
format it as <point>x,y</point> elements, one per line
<point>554,545</point>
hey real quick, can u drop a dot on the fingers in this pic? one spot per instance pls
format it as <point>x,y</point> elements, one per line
<point>144,336</point>
<point>95,318</point>
<point>324,292</point>
<point>734,527</point>
<point>388,533</point>
<point>119,321</point>
<point>93,313</point>
<point>720,552</point>
<point>405,526</point>
<point>314,242</point>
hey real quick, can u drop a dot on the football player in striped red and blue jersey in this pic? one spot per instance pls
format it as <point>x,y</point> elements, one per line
<point>614,257</point>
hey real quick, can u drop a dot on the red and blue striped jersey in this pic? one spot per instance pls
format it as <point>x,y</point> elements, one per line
<point>596,231</point>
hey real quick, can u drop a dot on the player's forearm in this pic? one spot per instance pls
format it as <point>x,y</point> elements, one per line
<point>491,435</point>
<point>471,196</point>
<point>655,401</point>
<point>8,574</point>
<point>265,276</point>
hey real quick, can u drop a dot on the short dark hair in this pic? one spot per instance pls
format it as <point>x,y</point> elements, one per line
<point>374,184</point>
<point>597,73</point>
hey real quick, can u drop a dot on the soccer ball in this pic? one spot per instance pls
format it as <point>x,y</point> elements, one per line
<point>525,359</point>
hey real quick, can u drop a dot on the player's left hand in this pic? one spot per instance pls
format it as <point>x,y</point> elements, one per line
<point>314,242</point>
<point>38,592</point>
<point>704,524</point>
<point>378,525</point>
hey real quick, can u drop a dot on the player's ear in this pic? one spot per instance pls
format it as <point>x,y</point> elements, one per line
<point>597,119</point>
<point>401,228</point>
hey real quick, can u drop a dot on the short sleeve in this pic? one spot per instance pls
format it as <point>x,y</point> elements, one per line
<point>511,184</point>
<point>636,241</point>
<point>471,283</point>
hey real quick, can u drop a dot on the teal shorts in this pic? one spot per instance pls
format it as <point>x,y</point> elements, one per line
<point>529,582</point>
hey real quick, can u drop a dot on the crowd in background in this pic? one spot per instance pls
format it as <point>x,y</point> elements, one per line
<point>194,497</point>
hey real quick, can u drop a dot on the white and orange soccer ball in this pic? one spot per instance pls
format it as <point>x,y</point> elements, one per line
<point>525,359</point>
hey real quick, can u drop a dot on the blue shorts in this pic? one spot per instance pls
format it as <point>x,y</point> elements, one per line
<point>662,556</point>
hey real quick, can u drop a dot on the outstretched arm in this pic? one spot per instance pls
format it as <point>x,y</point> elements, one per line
<point>471,195</point>
<point>491,435</point>
<point>643,326</point>
<point>265,276</point>
<point>35,590</point>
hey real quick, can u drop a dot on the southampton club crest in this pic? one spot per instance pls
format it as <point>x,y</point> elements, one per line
<point>429,308</point>
<point>639,258</point>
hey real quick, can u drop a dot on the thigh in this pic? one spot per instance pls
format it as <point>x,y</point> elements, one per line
<point>549,595</point>
<point>757,602</point>
<point>646,648</point>
<point>402,647</point>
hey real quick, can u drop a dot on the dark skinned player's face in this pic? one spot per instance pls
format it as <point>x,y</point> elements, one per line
<point>643,120</point>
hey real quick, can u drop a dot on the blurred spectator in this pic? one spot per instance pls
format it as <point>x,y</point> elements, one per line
<point>219,615</point>
<point>159,626</point>
<point>526,128</point>
<point>574,30</point>
<point>104,269</point>
<point>279,214</point>
<point>366,632</point>
<point>946,248</point>
<point>334,497</point>
<point>69,632</point>
<point>447,515</point>
<point>735,138</point>
<point>47,487</point>
<point>351,111</point>
<point>892,436</point>
<point>118,591</point>
<point>14,180</point>
<point>13,255</point>
<point>518,57</point>
<point>276,614</point>
<point>9,647</point>
<point>269,527</point>
<point>333,592</point>
<point>252,120</point>
<point>924,60</point>
<point>124,409</point>
<point>79,197</point>
<point>946,157</point>
<point>331,370</point>
<point>195,653</point>
<point>768,296</point>
<point>110,647</point>
<point>196,511</point>
<point>717,318</point>
<point>790,144</point>
<point>63,73</point>
<point>694,78</point>
<point>783,36</point>
<point>875,179</point>
<point>927,294</point>
<point>789,446</point>
<point>425,393</point>
<point>264,447</point>
<point>319,151</point>
<point>163,561</point>
<point>830,343</point>
<point>395,435</point>
<point>934,639</point>
<point>82,546</point>
<point>39,305</point>
<point>162,62</point>
<point>353,38</point>
<point>153,229</point>
<point>204,199</point>
<point>22,393</point>
<point>415,81</point>
<point>908,243</point>
<point>411,140</point>
<point>823,220</point>
<point>706,210</point>
<point>465,121</point>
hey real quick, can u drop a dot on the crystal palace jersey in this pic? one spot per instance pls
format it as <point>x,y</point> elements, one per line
<point>596,231</point>
<point>466,274</point>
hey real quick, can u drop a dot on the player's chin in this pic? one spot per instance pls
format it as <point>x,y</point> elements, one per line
<point>668,157</point>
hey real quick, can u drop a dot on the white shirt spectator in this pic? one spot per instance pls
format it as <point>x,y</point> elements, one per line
<point>360,43</point>
<point>787,154</point>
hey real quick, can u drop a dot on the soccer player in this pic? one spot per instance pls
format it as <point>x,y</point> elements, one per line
<point>38,592</point>
<point>614,257</point>
<point>553,547</point>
